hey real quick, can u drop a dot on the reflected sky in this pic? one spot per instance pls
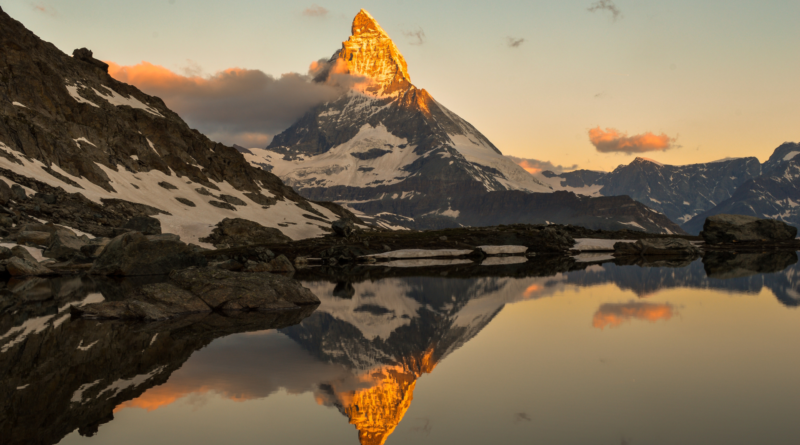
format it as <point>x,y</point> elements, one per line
<point>602,354</point>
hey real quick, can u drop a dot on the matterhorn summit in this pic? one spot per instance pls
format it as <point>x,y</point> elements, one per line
<point>393,154</point>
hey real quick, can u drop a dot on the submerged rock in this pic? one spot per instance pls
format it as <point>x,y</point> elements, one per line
<point>133,253</point>
<point>734,228</point>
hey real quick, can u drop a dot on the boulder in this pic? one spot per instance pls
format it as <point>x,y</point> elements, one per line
<point>64,247</point>
<point>343,227</point>
<point>231,291</point>
<point>23,253</point>
<point>147,225</point>
<point>18,193</point>
<point>95,247</point>
<point>132,254</point>
<point>86,55</point>
<point>657,247</point>
<point>35,238</point>
<point>282,264</point>
<point>235,232</point>
<point>17,267</point>
<point>5,193</point>
<point>5,253</point>
<point>736,228</point>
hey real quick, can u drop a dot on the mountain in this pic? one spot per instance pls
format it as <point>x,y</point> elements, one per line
<point>90,151</point>
<point>392,152</point>
<point>679,192</point>
<point>775,194</point>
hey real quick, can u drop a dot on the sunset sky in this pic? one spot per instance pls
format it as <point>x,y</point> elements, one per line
<point>579,83</point>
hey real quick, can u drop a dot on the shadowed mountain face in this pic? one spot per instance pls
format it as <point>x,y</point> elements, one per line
<point>67,128</point>
<point>390,150</point>
<point>58,375</point>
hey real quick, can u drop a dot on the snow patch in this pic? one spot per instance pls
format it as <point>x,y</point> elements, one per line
<point>17,104</point>
<point>73,91</point>
<point>119,100</point>
<point>789,156</point>
<point>497,250</point>
<point>598,245</point>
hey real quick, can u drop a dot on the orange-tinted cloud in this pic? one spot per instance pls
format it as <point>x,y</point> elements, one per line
<point>234,106</point>
<point>534,166</point>
<point>614,141</point>
<point>315,11</point>
<point>614,314</point>
<point>44,9</point>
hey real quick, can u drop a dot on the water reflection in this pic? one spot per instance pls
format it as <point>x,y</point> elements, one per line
<point>377,333</point>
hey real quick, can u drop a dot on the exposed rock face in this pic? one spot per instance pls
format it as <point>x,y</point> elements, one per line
<point>775,194</point>
<point>391,151</point>
<point>66,117</point>
<point>234,232</point>
<point>147,225</point>
<point>733,228</point>
<point>343,228</point>
<point>657,247</point>
<point>133,254</point>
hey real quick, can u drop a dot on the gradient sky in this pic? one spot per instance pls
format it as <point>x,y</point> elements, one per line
<point>720,78</point>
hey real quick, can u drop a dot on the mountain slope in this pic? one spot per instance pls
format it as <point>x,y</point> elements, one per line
<point>388,149</point>
<point>65,123</point>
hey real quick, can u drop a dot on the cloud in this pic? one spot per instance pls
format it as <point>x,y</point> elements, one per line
<point>43,8</point>
<point>606,5</point>
<point>235,106</point>
<point>417,36</point>
<point>514,42</point>
<point>534,166</point>
<point>315,11</point>
<point>614,314</point>
<point>614,141</point>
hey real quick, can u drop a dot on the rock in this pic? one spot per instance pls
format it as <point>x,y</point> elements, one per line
<point>164,237</point>
<point>735,228</point>
<point>147,225</point>
<point>133,254</point>
<point>17,267</point>
<point>232,291</point>
<point>35,238</point>
<point>185,201</point>
<point>5,253</point>
<point>222,205</point>
<point>64,247</point>
<point>18,193</point>
<point>232,200</point>
<point>167,185</point>
<point>5,193</point>
<point>343,227</point>
<point>237,232</point>
<point>151,302</point>
<point>257,267</point>
<point>6,221</point>
<point>95,248</point>
<point>282,264</point>
<point>23,254</point>
<point>657,247</point>
<point>86,55</point>
<point>231,265</point>
<point>203,191</point>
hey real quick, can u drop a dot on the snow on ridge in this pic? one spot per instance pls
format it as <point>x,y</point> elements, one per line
<point>73,91</point>
<point>791,155</point>
<point>650,160</point>
<point>118,100</point>
<point>79,140</point>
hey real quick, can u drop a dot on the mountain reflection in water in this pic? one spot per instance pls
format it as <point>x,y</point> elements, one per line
<point>378,331</point>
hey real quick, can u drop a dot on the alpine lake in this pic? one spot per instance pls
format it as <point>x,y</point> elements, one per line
<point>544,351</point>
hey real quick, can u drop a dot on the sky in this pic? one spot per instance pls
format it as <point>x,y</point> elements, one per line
<point>576,83</point>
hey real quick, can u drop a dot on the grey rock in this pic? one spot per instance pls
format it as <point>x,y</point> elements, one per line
<point>282,264</point>
<point>147,225</point>
<point>18,193</point>
<point>222,205</point>
<point>64,247</point>
<point>241,232</point>
<point>232,200</point>
<point>185,201</point>
<point>343,227</point>
<point>23,253</point>
<point>17,267</point>
<point>657,247</point>
<point>736,228</point>
<point>5,253</point>
<point>132,254</point>
<point>5,193</point>
<point>34,238</point>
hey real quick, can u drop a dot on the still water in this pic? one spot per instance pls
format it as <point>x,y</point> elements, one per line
<point>582,354</point>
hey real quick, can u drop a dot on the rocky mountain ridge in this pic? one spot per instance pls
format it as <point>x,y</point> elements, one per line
<point>67,128</point>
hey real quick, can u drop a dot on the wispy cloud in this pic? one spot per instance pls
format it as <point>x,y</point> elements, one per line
<point>416,37</point>
<point>514,42</point>
<point>43,8</point>
<point>315,11</point>
<point>534,166</point>
<point>607,6</point>
<point>615,141</point>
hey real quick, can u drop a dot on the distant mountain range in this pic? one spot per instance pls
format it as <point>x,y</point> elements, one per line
<point>399,158</point>
<point>688,194</point>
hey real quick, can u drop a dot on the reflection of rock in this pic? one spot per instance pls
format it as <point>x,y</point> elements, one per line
<point>58,375</point>
<point>726,265</point>
<point>732,228</point>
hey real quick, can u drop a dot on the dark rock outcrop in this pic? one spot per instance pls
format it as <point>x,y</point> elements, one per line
<point>657,247</point>
<point>343,228</point>
<point>65,247</point>
<point>86,55</point>
<point>234,232</point>
<point>737,228</point>
<point>147,225</point>
<point>133,254</point>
